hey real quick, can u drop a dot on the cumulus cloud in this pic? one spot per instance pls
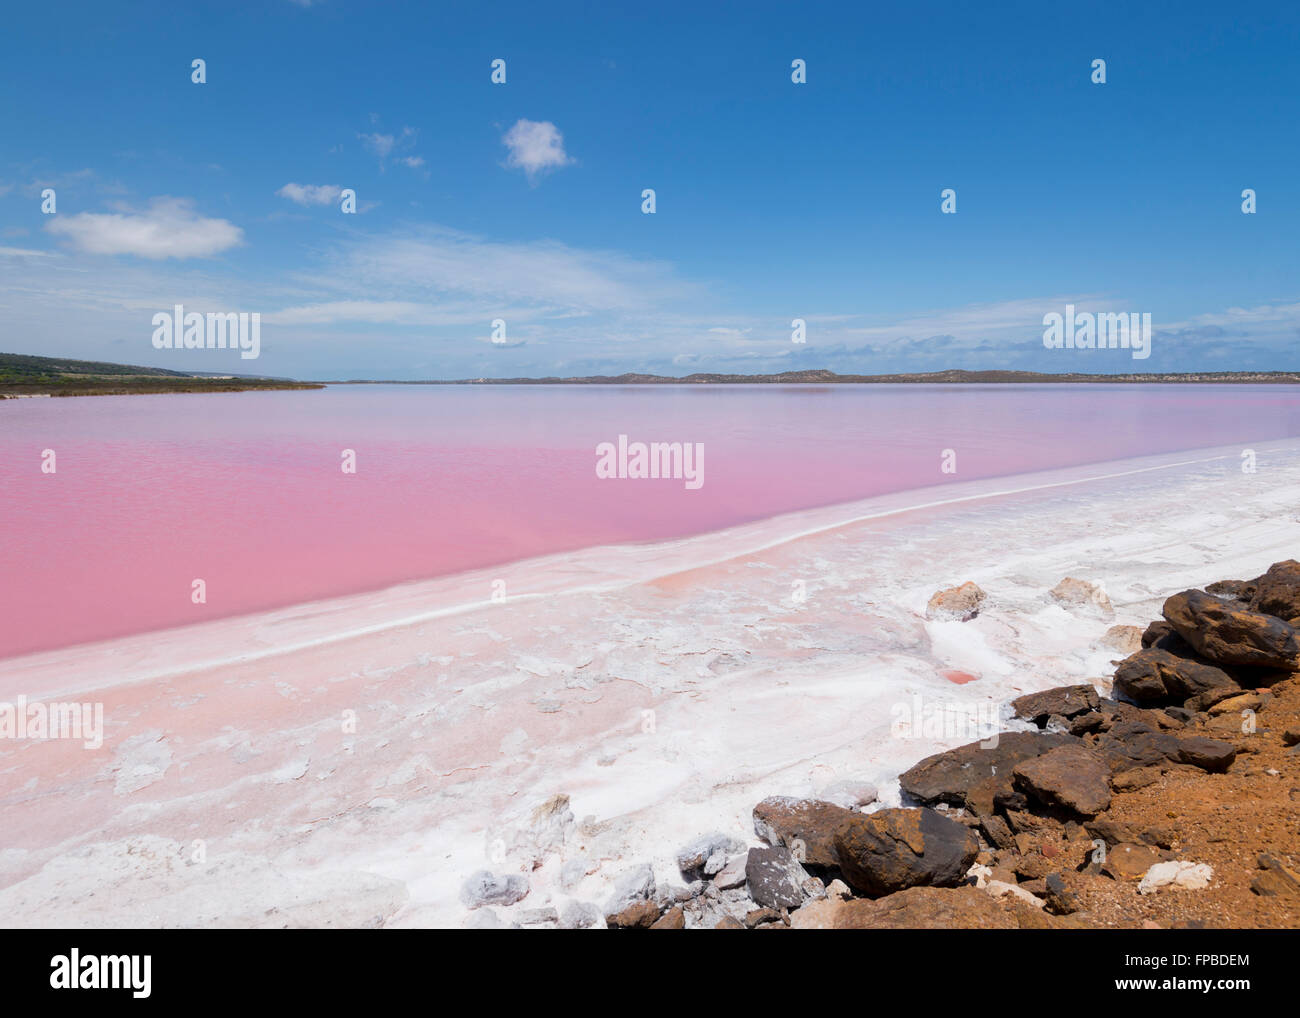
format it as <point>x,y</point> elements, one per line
<point>168,228</point>
<point>310,194</point>
<point>535,147</point>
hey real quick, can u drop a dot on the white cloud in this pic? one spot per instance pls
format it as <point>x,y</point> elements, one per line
<point>535,147</point>
<point>384,145</point>
<point>414,162</point>
<point>169,228</point>
<point>20,252</point>
<point>310,194</point>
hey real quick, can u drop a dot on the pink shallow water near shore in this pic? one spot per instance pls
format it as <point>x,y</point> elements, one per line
<point>245,491</point>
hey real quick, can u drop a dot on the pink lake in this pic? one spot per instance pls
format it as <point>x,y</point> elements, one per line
<point>246,491</point>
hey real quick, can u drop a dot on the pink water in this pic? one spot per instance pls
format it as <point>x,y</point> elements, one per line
<point>245,490</point>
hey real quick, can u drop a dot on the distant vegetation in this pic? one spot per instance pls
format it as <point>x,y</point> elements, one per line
<point>26,375</point>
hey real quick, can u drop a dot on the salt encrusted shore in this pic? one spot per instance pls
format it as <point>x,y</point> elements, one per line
<point>357,762</point>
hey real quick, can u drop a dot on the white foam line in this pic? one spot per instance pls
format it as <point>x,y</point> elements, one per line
<point>438,613</point>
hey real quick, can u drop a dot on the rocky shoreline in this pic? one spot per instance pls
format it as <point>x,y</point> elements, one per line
<point>1170,799</point>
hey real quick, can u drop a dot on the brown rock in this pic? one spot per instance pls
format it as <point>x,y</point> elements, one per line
<point>1230,635</point>
<point>759,916</point>
<point>1129,862</point>
<point>1157,676</point>
<point>962,603</point>
<point>1132,780</point>
<point>805,826</point>
<point>1125,639</point>
<point>894,849</point>
<point>1071,591</point>
<point>948,776</point>
<point>638,916</point>
<point>673,919</point>
<point>1277,592</point>
<point>1065,701</point>
<point>1071,777</point>
<point>727,923</point>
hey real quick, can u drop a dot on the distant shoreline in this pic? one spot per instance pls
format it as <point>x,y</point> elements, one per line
<point>822,377</point>
<point>26,375</point>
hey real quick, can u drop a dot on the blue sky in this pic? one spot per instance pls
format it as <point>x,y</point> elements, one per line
<point>775,200</point>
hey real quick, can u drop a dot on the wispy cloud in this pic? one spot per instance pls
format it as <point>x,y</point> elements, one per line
<point>310,194</point>
<point>387,145</point>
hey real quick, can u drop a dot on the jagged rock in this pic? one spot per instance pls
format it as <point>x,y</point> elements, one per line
<point>1277,592</point>
<point>894,849</point>
<point>775,878</point>
<point>695,855</point>
<point>1154,676</point>
<point>1191,876</point>
<point>732,874</point>
<point>487,888</point>
<point>1082,724</point>
<point>850,794</point>
<point>728,923</point>
<point>1071,777</point>
<point>640,915</point>
<point>961,603</point>
<point>1075,592</point>
<point>1064,701</point>
<point>805,826</point>
<point>1230,635</point>
<point>1160,635</point>
<point>948,776</point>
<point>1291,737</point>
<point>759,916</point>
<point>673,919</point>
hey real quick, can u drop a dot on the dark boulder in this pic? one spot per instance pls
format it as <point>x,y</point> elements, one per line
<point>895,849</point>
<point>949,776</point>
<point>1277,592</point>
<point>1072,778</point>
<point>1227,634</point>
<point>1064,701</point>
<point>1154,676</point>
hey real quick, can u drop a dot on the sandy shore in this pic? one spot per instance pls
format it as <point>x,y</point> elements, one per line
<point>350,762</point>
